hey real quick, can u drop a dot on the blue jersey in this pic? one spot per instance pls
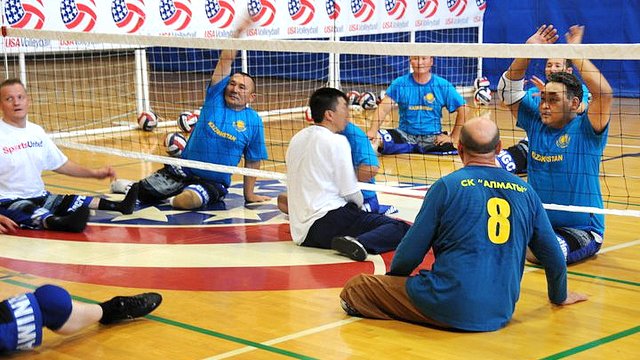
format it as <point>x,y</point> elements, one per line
<point>361,153</point>
<point>534,93</point>
<point>420,105</point>
<point>564,165</point>
<point>223,135</point>
<point>478,220</point>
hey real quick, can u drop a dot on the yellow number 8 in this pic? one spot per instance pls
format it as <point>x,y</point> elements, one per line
<point>498,225</point>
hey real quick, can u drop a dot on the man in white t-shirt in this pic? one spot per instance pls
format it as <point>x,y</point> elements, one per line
<point>324,199</point>
<point>26,151</point>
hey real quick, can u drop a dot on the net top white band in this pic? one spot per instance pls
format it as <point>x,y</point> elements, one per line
<point>534,51</point>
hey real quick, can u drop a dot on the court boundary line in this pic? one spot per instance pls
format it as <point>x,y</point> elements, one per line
<point>593,344</point>
<point>251,345</point>
<point>181,325</point>
<point>342,322</point>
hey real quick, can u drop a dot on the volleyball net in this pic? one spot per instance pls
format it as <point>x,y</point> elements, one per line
<point>92,98</point>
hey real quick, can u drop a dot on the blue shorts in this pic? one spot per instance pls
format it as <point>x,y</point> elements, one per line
<point>396,141</point>
<point>30,213</point>
<point>20,323</point>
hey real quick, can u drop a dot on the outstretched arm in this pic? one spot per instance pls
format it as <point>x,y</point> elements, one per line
<point>73,169</point>
<point>462,113</point>
<point>600,106</point>
<point>546,34</point>
<point>223,68</point>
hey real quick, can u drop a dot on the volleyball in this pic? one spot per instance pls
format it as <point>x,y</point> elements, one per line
<point>368,100</point>
<point>175,143</point>
<point>147,120</point>
<point>187,120</point>
<point>353,97</point>
<point>482,96</point>
<point>481,82</point>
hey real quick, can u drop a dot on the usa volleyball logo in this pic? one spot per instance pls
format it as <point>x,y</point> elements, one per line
<point>482,4</point>
<point>262,12</point>
<point>176,14</point>
<point>333,10</point>
<point>395,8</point>
<point>78,15</point>
<point>362,9</point>
<point>428,8</point>
<point>27,14</point>
<point>128,15</point>
<point>456,6</point>
<point>301,11</point>
<point>220,12</point>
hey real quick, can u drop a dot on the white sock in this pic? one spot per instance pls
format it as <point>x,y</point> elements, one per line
<point>121,186</point>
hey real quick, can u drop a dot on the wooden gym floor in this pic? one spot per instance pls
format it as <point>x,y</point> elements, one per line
<point>235,286</point>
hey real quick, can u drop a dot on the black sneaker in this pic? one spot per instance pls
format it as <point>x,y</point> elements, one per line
<point>129,307</point>
<point>349,247</point>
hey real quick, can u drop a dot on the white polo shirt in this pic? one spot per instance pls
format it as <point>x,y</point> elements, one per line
<point>320,175</point>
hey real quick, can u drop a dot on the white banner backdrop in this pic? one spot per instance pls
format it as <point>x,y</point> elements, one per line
<point>272,19</point>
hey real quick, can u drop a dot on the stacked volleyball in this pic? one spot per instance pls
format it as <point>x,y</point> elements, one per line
<point>368,100</point>
<point>175,143</point>
<point>147,120</point>
<point>187,120</point>
<point>482,93</point>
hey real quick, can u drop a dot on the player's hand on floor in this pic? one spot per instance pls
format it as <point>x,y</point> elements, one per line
<point>7,226</point>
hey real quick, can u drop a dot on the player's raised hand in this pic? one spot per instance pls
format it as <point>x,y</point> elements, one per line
<point>538,83</point>
<point>575,34</point>
<point>546,34</point>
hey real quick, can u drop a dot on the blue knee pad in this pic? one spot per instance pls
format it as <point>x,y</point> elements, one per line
<point>55,305</point>
<point>21,325</point>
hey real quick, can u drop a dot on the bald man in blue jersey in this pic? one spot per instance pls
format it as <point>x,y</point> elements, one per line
<point>479,221</point>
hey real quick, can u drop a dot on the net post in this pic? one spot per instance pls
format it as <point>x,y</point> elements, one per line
<point>333,78</point>
<point>142,81</point>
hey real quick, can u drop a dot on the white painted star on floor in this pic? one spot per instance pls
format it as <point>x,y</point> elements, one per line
<point>150,213</point>
<point>236,213</point>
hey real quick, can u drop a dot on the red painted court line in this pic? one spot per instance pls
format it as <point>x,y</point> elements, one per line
<point>205,279</point>
<point>170,235</point>
<point>199,279</point>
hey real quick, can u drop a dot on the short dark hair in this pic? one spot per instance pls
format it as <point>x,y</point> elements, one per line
<point>322,100</point>
<point>11,81</point>
<point>255,84</point>
<point>470,144</point>
<point>571,83</point>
